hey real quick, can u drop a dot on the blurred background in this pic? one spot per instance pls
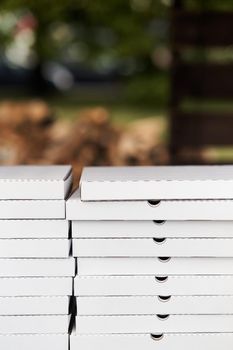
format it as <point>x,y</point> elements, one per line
<point>117,82</point>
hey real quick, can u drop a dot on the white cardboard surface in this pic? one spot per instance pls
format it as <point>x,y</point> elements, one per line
<point>150,285</point>
<point>153,324</point>
<point>34,228</point>
<point>35,182</point>
<point>34,324</point>
<point>35,286</point>
<point>32,209</point>
<point>34,305</point>
<point>157,182</point>
<point>34,248</point>
<point>147,229</point>
<point>149,247</point>
<point>151,305</point>
<point>155,266</point>
<point>143,210</point>
<point>34,341</point>
<point>37,267</point>
<point>190,341</point>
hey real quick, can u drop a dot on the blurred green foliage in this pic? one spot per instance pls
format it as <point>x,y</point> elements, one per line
<point>131,35</point>
<point>102,35</point>
<point>125,24</point>
<point>213,5</point>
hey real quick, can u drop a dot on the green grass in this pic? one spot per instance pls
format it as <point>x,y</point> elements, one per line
<point>207,106</point>
<point>120,113</point>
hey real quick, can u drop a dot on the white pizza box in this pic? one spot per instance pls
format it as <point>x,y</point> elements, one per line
<point>39,324</point>
<point>151,305</point>
<point>35,341</point>
<point>154,324</point>
<point>35,181</point>
<point>155,266</point>
<point>34,248</point>
<point>37,267</point>
<point>152,247</point>
<point>34,228</point>
<point>32,209</point>
<point>153,285</point>
<point>157,182</point>
<point>42,305</point>
<point>167,341</point>
<point>150,228</point>
<point>35,286</point>
<point>146,210</point>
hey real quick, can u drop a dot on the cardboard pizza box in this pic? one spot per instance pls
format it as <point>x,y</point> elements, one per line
<point>152,229</point>
<point>37,267</point>
<point>34,228</point>
<point>32,209</point>
<point>148,210</point>
<point>35,286</point>
<point>34,341</point>
<point>35,181</point>
<point>166,341</point>
<point>153,285</point>
<point>154,324</point>
<point>42,324</point>
<point>152,247</point>
<point>151,305</point>
<point>157,182</point>
<point>37,305</point>
<point>155,266</point>
<point>35,248</point>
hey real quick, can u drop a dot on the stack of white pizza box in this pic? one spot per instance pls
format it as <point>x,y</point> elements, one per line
<point>35,265</point>
<point>154,248</point>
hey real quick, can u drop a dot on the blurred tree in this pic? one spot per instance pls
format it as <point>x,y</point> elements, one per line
<point>128,37</point>
<point>223,5</point>
<point>44,13</point>
<point>128,23</point>
<point>99,34</point>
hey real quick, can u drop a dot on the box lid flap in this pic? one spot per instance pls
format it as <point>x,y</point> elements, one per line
<point>157,182</point>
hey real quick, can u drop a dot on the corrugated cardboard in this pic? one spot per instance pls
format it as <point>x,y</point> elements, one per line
<point>154,324</point>
<point>149,247</point>
<point>190,341</point>
<point>152,285</point>
<point>155,266</point>
<point>147,229</point>
<point>49,305</point>
<point>151,305</point>
<point>157,182</point>
<point>35,182</point>
<point>145,210</point>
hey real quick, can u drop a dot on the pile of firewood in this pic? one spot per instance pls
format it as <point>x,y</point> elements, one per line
<point>24,131</point>
<point>30,134</point>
